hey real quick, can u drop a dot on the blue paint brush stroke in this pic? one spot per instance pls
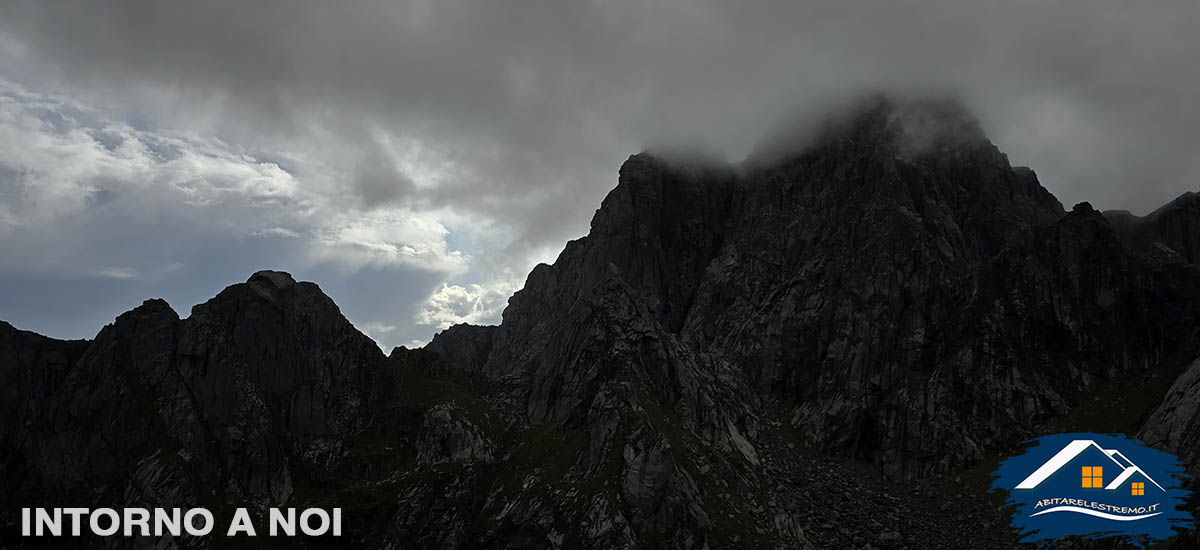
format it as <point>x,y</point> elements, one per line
<point>1066,482</point>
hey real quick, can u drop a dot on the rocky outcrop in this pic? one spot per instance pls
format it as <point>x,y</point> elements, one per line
<point>1169,233</point>
<point>447,437</point>
<point>465,346</point>
<point>1062,311</point>
<point>659,228</point>
<point>1175,423</point>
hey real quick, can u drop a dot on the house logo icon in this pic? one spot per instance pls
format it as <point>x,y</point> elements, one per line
<point>1093,485</point>
<point>1126,476</point>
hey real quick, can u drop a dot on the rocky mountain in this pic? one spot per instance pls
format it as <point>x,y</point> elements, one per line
<point>226,405</point>
<point>825,346</point>
<point>1170,233</point>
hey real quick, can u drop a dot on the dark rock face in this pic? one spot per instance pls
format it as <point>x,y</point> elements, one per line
<point>659,229</point>
<point>902,292</point>
<point>1175,423</point>
<point>1169,233</point>
<point>447,437</point>
<point>463,345</point>
<point>711,367</point>
<point>31,368</point>
<point>222,406</point>
<point>1061,311</point>
<point>843,264</point>
<point>824,280</point>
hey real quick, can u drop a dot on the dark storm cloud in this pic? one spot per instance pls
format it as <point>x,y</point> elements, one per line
<point>515,116</point>
<point>377,181</point>
<point>531,95</point>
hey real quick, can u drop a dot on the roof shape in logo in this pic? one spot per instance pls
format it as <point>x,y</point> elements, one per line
<point>1074,449</point>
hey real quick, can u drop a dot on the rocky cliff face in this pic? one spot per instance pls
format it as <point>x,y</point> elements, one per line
<point>786,353</point>
<point>1171,233</point>
<point>225,406</point>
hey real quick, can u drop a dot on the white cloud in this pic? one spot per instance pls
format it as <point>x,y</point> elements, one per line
<point>84,196</point>
<point>117,272</point>
<point>473,303</point>
<point>278,232</point>
<point>62,160</point>
<point>65,158</point>
<point>388,236</point>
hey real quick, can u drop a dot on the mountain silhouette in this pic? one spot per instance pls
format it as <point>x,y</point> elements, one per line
<point>822,346</point>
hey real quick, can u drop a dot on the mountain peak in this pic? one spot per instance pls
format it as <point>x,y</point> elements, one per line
<point>277,279</point>
<point>931,126</point>
<point>1189,200</point>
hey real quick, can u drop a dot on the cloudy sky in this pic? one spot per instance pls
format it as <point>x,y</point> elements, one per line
<point>417,158</point>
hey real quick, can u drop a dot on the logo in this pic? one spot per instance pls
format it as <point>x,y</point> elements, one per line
<point>1094,486</point>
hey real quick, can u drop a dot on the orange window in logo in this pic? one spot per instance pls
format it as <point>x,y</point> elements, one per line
<point>1093,477</point>
<point>1139,489</point>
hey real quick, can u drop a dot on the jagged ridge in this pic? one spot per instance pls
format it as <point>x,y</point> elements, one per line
<point>892,291</point>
